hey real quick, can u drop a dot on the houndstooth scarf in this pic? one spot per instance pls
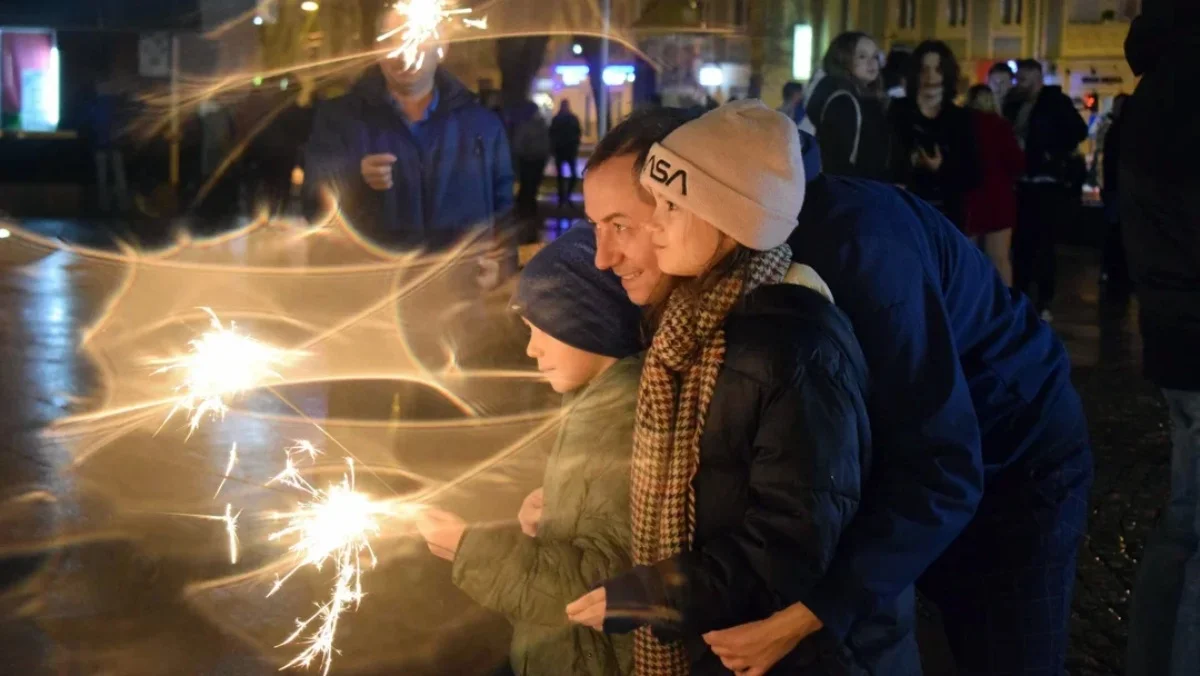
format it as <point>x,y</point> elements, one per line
<point>676,389</point>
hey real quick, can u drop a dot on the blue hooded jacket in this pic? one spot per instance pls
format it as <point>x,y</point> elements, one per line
<point>454,174</point>
<point>967,382</point>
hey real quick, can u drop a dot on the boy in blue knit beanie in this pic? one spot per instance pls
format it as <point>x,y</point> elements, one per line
<point>574,532</point>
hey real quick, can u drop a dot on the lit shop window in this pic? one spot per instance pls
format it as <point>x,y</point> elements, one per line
<point>29,80</point>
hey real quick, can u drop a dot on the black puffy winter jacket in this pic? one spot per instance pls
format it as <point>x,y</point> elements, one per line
<point>785,446</point>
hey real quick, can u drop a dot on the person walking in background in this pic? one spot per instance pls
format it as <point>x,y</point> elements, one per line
<point>793,102</point>
<point>991,211</point>
<point>531,151</point>
<point>1160,217</point>
<point>1114,270</point>
<point>1000,81</point>
<point>1050,131</point>
<point>565,136</point>
<point>935,155</point>
<point>848,108</point>
<point>107,117</point>
<point>278,148</point>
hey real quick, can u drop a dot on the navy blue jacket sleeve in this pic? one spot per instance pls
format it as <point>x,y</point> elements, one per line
<point>804,488</point>
<point>927,474</point>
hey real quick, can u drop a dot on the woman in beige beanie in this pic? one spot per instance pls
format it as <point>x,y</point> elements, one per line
<point>751,433</point>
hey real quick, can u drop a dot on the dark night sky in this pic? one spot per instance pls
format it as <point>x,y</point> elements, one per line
<point>103,14</point>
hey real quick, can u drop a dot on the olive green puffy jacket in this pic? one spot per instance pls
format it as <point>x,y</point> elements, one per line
<point>583,538</point>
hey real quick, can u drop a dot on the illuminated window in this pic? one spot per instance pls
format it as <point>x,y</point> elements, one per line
<point>29,80</point>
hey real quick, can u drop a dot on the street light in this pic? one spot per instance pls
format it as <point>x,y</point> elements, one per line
<point>309,6</point>
<point>802,51</point>
<point>711,76</point>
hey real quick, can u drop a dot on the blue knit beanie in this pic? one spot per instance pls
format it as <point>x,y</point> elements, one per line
<point>562,293</point>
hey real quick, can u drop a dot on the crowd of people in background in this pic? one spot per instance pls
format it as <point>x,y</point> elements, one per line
<point>1000,160</point>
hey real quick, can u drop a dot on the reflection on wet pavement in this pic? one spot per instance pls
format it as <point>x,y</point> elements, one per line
<point>103,569</point>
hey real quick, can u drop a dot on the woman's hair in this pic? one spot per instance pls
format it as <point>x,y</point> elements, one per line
<point>947,62</point>
<point>895,71</point>
<point>981,97</point>
<point>839,61</point>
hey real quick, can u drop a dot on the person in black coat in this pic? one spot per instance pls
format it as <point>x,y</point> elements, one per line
<point>1160,216</point>
<point>935,155</point>
<point>1114,269</point>
<point>752,443</point>
<point>1050,130</point>
<point>565,135</point>
<point>848,110</point>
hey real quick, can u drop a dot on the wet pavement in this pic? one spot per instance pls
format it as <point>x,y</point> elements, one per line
<point>128,590</point>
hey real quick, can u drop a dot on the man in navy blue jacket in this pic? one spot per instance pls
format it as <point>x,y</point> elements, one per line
<point>414,160</point>
<point>969,390</point>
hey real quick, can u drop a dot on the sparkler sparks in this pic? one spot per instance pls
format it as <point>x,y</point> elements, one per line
<point>423,20</point>
<point>335,525</point>
<point>222,363</point>
<point>228,469</point>
<point>230,520</point>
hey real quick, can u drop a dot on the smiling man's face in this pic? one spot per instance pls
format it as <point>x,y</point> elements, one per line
<point>621,210</point>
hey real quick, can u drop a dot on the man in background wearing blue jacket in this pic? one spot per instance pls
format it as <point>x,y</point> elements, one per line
<point>980,481</point>
<point>413,158</point>
<point>417,164</point>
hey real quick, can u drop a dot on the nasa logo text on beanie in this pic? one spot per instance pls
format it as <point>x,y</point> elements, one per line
<point>739,167</point>
<point>661,171</point>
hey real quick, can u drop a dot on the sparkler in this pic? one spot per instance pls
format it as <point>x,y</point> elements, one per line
<point>334,525</point>
<point>423,20</point>
<point>222,363</point>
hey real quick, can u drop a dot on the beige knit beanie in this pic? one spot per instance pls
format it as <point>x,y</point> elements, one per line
<point>739,167</point>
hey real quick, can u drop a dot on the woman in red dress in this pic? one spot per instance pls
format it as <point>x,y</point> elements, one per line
<point>991,207</point>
